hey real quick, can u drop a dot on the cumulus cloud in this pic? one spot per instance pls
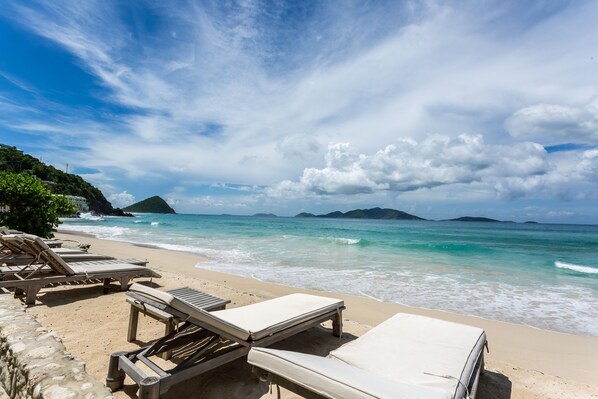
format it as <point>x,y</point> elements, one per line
<point>237,92</point>
<point>552,123</point>
<point>121,200</point>
<point>409,166</point>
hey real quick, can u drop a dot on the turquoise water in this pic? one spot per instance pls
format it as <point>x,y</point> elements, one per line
<point>541,275</point>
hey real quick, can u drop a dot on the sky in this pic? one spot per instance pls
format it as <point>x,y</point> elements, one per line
<point>437,108</point>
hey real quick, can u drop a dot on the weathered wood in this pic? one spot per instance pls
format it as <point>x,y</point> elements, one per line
<point>133,321</point>
<point>337,324</point>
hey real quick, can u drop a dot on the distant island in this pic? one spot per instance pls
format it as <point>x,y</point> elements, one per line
<point>473,219</point>
<point>265,215</point>
<point>391,214</point>
<point>153,204</point>
<point>373,213</point>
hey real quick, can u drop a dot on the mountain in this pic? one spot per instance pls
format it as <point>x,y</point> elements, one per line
<point>153,204</point>
<point>15,161</point>
<point>305,215</point>
<point>265,215</point>
<point>373,213</point>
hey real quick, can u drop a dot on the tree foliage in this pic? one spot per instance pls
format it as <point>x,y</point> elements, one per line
<point>15,161</point>
<point>29,206</point>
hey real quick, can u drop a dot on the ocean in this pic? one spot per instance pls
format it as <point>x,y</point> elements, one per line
<point>541,275</point>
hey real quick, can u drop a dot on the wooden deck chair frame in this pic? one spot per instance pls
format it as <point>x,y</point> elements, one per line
<point>214,348</point>
<point>49,269</point>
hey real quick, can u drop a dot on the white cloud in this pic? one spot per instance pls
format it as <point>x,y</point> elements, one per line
<point>409,166</point>
<point>237,96</point>
<point>121,200</point>
<point>552,123</point>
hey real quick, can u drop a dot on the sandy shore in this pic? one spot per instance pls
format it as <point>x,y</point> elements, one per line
<point>523,362</point>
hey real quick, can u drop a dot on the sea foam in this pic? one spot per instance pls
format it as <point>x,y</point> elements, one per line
<point>576,268</point>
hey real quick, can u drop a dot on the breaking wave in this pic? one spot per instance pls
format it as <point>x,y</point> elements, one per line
<point>576,268</point>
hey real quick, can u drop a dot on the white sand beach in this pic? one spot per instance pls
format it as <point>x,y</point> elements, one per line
<point>523,362</point>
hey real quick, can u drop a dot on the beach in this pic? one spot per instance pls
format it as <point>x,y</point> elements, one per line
<point>523,361</point>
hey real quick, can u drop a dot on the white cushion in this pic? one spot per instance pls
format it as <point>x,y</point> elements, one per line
<point>90,268</point>
<point>335,379</point>
<point>418,350</point>
<point>268,317</point>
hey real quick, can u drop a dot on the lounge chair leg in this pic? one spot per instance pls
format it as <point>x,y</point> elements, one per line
<point>149,388</point>
<point>31,294</point>
<point>116,377</point>
<point>106,286</point>
<point>169,328</point>
<point>133,321</point>
<point>124,283</point>
<point>337,324</point>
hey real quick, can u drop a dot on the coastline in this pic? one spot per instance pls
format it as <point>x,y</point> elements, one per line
<point>524,362</point>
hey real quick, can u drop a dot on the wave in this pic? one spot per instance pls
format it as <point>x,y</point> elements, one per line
<point>347,241</point>
<point>576,268</point>
<point>109,232</point>
<point>90,216</point>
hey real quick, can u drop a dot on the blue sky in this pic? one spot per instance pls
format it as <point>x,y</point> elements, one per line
<point>441,109</point>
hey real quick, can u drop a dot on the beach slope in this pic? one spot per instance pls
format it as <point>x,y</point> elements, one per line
<point>523,362</point>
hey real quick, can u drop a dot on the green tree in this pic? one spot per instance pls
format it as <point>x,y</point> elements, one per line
<point>28,206</point>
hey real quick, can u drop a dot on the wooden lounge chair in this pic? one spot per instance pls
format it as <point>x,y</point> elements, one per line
<point>407,356</point>
<point>17,251</point>
<point>219,337</point>
<point>26,249</point>
<point>51,242</point>
<point>53,270</point>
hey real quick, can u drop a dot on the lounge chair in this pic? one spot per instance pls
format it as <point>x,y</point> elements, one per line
<point>51,242</point>
<point>219,337</point>
<point>27,249</point>
<point>53,270</point>
<point>18,252</point>
<point>407,356</point>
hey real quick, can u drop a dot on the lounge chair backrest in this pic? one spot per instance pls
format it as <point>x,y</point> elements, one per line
<point>41,250</point>
<point>5,230</point>
<point>14,243</point>
<point>199,315</point>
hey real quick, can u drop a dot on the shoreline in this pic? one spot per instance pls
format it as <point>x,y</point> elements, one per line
<point>524,360</point>
<point>414,309</point>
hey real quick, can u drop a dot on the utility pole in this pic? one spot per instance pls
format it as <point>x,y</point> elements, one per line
<point>67,168</point>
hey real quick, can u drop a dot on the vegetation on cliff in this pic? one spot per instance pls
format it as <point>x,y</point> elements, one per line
<point>15,161</point>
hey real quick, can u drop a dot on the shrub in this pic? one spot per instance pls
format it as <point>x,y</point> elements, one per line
<point>29,206</point>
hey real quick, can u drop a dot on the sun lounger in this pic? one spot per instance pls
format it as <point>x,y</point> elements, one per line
<point>17,252</point>
<point>219,337</point>
<point>51,242</point>
<point>26,249</point>
<point>53,270</point>
<point>407,356</point>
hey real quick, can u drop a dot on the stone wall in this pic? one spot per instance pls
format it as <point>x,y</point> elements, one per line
<point>35,364</point>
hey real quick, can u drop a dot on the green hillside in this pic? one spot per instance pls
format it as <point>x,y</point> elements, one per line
<point>15,161</point>
<point>153,204</point>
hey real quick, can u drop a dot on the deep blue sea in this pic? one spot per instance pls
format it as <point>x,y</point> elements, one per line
<point>541,275</point>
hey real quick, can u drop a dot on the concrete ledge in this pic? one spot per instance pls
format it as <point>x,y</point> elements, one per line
<point>35,364</point>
